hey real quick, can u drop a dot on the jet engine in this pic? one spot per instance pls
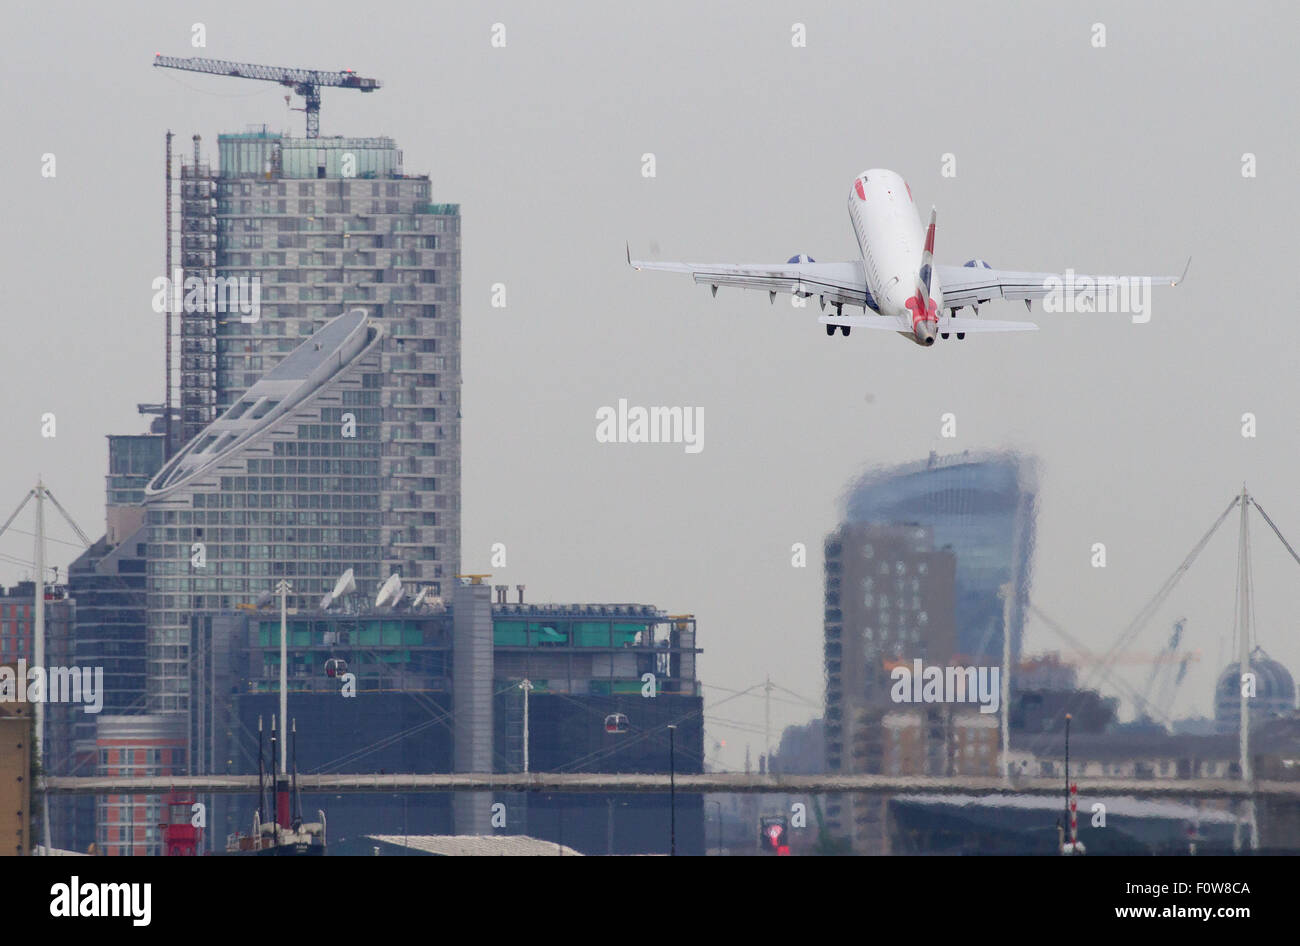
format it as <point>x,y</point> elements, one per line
<point>977,264</point>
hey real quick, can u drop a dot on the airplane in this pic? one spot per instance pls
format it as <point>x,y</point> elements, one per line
<point>895,278</point>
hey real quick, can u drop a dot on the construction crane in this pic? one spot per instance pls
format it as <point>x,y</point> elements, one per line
<point>306,82</point>
<point>1170,681</point>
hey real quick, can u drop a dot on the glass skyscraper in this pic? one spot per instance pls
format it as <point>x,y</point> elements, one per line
<point>326,228</point>
<point>983,508</point>
<point>328,225</point>
<point>285,484</point>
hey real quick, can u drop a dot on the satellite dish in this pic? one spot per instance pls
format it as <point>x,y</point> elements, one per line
<point>346,585</point>
<point>391,592</point>
<point>419,599</point>
<point>326,601</point>
<point>263,599</point>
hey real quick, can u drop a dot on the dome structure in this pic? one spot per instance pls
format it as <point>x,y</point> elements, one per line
<point>1274,692</point>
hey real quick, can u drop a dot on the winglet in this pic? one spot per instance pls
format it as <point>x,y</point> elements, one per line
<point>1184,275</point>
<point>628,247</point>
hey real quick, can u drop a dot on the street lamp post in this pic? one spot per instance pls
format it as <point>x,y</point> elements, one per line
<point>283,588</point>
<point>1067,765</point>
<point>526,685</point>
<point>672,791</point>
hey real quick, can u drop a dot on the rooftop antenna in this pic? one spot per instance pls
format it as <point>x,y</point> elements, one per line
<point>391,592</point>
<point>346,585</point>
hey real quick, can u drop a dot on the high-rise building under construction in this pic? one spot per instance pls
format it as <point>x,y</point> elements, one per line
<point>321,227</point>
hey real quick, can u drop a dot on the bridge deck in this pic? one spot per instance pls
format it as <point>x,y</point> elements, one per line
<point>721,782</point>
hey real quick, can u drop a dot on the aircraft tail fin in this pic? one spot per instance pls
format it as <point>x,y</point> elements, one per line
<point>927,257</point>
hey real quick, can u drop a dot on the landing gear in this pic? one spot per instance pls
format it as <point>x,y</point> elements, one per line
<point>839,311</point>
<point>845,330</point>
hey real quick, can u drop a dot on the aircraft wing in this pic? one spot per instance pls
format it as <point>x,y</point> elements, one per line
<point>843,283</point>
<point>974,285</point>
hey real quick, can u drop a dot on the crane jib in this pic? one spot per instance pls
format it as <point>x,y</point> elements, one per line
<point>306,82</point>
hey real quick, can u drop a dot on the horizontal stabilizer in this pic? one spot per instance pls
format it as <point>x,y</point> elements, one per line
<point>863,321</point>
<point>985,325</point>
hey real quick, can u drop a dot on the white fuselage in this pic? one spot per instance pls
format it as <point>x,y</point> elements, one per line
<point>892,240</point>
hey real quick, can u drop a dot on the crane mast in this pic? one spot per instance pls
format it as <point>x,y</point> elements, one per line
<point>305,82</point>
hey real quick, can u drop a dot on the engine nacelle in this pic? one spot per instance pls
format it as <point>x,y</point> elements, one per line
<point>978,264</point>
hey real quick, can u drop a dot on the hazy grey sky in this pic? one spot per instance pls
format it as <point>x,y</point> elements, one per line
<point>1122,159</point>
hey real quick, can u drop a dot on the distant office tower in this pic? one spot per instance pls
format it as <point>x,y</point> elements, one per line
<point>107,582</point>
<point>108,585</point>
<point>133,459</point>
<point>17,646</point>
<point>916,573</point>
<point>982,506</point>
<point>889,599</point>
<point>285,484</point>
<point>327,225</point>
<point>17,642</point>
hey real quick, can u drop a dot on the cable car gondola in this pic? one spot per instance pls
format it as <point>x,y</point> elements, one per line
<point>615,723</point>
<point>336,667</point>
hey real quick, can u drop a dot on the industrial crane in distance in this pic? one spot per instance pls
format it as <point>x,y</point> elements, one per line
<point>306,82</point>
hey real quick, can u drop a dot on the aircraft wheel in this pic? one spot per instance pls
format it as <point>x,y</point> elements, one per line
<point>961,334</point>
<point>943,334</point>
<point>845,329</point>
<point>830,330</point>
